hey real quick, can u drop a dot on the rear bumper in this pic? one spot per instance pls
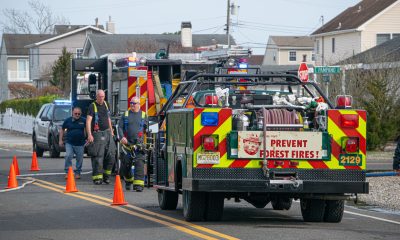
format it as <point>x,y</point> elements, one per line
<point>274,186</point>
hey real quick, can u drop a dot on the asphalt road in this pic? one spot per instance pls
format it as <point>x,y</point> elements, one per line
<point>40,210</point>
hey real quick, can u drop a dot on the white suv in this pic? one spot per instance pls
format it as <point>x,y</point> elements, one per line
<point>46,127</point>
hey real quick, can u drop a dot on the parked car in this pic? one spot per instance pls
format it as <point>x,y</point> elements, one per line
<point>47,125</point>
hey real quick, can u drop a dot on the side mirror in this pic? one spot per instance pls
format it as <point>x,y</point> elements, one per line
<point>92,86</point>
<point>153,127</point>
<point>45,119</point>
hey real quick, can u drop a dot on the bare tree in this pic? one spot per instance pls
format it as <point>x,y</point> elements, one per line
<point>40,19</point>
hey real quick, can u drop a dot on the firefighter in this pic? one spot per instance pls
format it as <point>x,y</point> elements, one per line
<point>131,130</point>
<point>101,146</point>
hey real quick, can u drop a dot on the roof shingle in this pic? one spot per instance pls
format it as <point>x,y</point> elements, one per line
<point>142,43</point>
<point>15,43</point>
<point>354,17</point>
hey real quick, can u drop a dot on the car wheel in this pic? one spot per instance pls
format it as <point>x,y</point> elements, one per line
<point>54,153</point>
<point>39,151</point>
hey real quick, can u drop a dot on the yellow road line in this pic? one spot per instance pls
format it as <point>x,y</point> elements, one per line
<point>177,227</point>
<point>209,231</point>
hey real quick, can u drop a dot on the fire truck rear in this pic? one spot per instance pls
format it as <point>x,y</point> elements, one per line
<point>265,139</point>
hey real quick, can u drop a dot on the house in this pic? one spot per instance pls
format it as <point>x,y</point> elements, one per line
<point>358,28</point>
<point>288,50</point>
<point>43,54</point>
<point>14,60</point>
<point>387,52</point>
<point>98,45</point>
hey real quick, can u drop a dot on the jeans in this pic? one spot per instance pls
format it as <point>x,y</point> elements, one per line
<point>70,150</point>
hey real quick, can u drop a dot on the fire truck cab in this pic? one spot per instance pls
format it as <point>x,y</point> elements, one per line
<point>269,139</point>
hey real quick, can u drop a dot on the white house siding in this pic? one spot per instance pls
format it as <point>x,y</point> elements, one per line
<point>3,73</point>
<point>389,22</point>
<point>49,52</point>
<point>284,56</point>
<point>346,45</point>
<point>92,53</point>
<point>269,56</point>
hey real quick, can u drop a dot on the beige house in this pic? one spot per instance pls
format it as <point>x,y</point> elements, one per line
<point>43,54</point>
<point>14,60</point>
<point>358,28</point>
<point>288,50</point>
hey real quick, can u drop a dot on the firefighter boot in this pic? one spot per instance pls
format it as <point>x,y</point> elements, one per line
<point>128,185</point>
<point>138,188</point>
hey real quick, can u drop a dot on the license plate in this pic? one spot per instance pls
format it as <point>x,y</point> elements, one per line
<point>208,158</point>
<point>350,159</point>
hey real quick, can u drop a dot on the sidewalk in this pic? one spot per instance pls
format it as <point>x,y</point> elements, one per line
<point>16,140</point>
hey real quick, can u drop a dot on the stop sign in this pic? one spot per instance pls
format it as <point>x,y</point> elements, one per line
<point>303,72</point>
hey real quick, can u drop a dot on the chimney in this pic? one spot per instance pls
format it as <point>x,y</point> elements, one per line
<point>186,34</point>
<point>110,26</point>
<point>96,22</point>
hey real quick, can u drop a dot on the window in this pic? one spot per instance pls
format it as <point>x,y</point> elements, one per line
<point>381,38</point>
<point>395,35</point>
<point>79,52</point>
<point>313,57</point>
<point>22,68</point>
<point>292,56</point>
<point>317,46</point>
<point>274,57</point>
<point>333,45</point>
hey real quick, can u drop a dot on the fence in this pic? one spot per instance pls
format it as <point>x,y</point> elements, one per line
<point>11,120</point>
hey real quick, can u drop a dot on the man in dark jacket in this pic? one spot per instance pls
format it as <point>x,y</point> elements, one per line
<point>74,141</point>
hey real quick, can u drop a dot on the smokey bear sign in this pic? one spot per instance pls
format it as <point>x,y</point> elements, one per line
<point>280,145</point>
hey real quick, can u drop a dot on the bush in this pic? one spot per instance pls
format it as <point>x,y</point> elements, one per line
<point>29,106</point>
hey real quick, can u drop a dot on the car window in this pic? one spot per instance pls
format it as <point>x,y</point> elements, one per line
<point>49,113</point>
<point>44,111</point>
<point>62,112</point>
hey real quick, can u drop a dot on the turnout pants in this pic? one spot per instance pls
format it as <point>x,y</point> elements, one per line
<point>127,160</point>
<point>102,152</point>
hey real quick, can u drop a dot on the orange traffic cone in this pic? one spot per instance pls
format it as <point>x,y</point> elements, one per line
<point>118,194</point>
<point>34,165</point>
<point>12,178</point>
<point>15,163</point>
<point>71,186</point>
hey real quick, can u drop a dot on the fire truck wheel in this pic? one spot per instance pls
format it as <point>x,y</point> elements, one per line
<point>214,206</point>
<point>334,211</point>
<point>194,204</point>
<point>281,203</point>
<point>168,200</point>
<point>312,209</point>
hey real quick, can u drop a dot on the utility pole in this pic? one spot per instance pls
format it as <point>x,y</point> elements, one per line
<point>228,22</point>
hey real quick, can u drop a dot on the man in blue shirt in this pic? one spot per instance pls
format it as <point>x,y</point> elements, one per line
<point>74,127</point>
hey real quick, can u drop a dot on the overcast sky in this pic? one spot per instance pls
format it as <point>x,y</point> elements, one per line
<point>255,22</point>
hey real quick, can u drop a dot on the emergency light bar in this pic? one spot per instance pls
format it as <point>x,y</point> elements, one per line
<point>62,102</point>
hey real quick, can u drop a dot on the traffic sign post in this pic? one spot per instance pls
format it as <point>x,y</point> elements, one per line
<point>303,72</point>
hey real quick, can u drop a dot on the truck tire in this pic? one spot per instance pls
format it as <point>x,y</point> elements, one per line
<point>54,153</point>
<point>167,200</point>
<point>334,211</point>
<point>214,206</point>
<point>281,203</point>
<point>313,210</point>
<point>194,204</point>
<point>39,151</point>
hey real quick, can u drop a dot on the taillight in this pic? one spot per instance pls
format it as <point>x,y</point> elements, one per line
<point>350,144</point>
<point>344,101</point>
<point>293,163</point>
<point>210,143</point>
<point>349,120</point>
<point>278,163</point>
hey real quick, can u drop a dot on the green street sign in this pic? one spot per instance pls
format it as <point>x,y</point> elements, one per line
<point>327,69</point>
